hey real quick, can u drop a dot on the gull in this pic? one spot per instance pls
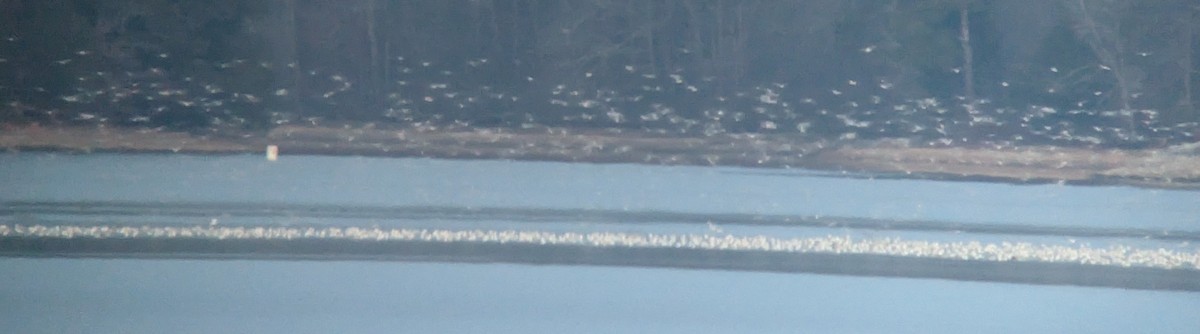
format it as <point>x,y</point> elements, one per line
<point>769,97</point>
<point>714,228</point>
<point>868,49</point>
<point>615,116</point>
<point>803,126</point>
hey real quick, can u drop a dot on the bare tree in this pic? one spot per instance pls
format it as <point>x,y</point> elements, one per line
<point>1098,23</point>
<point>377,67</point>
<point>1187,37</point>
<point>280,34</point>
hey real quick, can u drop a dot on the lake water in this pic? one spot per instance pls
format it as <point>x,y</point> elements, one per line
<point>513,184</point>
<point>202,296</point>
<point>150,296</point>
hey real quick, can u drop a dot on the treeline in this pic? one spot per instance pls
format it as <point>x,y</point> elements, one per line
<point>189,64</point>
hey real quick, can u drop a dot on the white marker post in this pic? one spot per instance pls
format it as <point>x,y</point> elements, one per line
<point>272,152</point>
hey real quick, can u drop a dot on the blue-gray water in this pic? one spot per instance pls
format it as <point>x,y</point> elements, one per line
<point>153,296</point>
<point>149,296</point>
<point>481,183</point>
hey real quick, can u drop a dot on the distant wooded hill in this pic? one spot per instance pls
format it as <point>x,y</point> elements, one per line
<point>696,66</point>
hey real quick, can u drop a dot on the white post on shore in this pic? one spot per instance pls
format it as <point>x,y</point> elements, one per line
<point>272,152</point>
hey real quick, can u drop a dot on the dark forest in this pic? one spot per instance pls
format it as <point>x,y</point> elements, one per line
<point>1068,72</point>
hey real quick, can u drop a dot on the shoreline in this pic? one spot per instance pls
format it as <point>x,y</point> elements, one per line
<point>1176,167</point>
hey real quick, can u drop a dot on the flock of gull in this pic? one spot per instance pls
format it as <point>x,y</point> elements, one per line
<point>431,95</point>
<point>1117,255</point>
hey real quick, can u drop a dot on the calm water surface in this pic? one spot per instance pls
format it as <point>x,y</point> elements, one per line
<point>155,296</point>
<point>181,296</point>
<point>513,184</point>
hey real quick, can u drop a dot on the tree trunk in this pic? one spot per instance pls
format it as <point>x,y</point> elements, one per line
<point>386,69</point>
<point>1186,38</point>
<point>373,40</point>
<point>650,48</point>
<point>964,38</point>
<point>298,83</point>
<point>284,42</point>
<point>694,23</point>
<point>739,51</point>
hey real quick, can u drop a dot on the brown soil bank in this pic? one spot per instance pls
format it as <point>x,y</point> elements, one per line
<point>1173,167</point>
